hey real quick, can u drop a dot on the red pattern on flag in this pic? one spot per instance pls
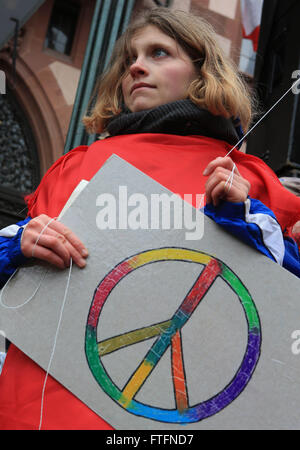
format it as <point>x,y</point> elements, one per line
<point>251,18</point>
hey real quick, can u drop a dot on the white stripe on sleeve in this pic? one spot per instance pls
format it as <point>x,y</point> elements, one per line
<point>10,231</point>
<point>271,232</point>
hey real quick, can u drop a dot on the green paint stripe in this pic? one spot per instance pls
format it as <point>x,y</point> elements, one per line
<point>161,344</point>
<point>91,350</point>
<point>133,337</point>
<point>244,296</point>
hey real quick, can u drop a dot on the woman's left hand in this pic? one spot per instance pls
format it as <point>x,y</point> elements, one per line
<point>220,185</point>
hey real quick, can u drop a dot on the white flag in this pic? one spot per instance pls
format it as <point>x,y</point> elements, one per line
<point>251,18</point>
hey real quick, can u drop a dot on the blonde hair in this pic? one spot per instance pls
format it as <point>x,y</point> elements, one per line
<point>219,87</point>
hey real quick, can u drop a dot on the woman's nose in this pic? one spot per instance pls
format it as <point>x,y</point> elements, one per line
<point>138,67</point>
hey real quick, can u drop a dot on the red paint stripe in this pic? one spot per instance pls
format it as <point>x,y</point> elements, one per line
<point>202,284</point>
<point>104,289</point>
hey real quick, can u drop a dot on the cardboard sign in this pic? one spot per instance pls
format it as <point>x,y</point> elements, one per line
<point>160,330</point>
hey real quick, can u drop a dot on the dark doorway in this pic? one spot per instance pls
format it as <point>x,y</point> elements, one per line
<point>19,162</point>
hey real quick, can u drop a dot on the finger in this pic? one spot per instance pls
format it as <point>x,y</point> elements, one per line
<point>220,174</point>
<point>236,194</point>
<point>31,233</point>
<point>45,254</point>
<point>54,243</point>
<point>36,225</point>
<point>77,257</point>
<point>65,248</point>
<point>220,188</point>
<point>225,162</point>
<point>62,248</point>
<point>39,234</point>
<point>71,237</point>
<point>39,224</point>
<point>219,193</point>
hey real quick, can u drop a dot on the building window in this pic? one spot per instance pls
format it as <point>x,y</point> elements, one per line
<point>62,26</point>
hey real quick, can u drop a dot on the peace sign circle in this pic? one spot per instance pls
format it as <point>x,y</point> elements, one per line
<point>168,334</point>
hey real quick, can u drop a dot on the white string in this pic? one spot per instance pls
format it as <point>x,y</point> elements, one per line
<point>59,320</point>
<point>272,107</point>
<point>230,178</point>
<point>54,344</point>
<point>26,301</point>
<point>14,273</point>
<point>38,238</point>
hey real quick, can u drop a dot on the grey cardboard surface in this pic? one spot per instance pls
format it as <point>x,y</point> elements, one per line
<point>236,361</point>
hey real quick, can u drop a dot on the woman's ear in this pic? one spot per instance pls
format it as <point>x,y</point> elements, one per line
<point>198,63</point>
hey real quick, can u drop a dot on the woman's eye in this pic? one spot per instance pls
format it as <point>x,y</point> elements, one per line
<point>156,53</point>
<point>130,60</point>
<point>159,52</point>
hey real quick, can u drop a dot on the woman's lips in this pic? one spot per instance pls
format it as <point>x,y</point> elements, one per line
<point>140,86</point>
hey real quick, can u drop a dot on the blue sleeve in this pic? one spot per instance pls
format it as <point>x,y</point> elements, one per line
<point>291,256</point>
<point>256,225</point>
<point>11,256</point>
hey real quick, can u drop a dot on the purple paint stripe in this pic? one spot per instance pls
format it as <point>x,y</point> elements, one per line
<point>220,401</point>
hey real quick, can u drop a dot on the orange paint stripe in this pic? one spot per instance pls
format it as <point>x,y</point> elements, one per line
<point>178,373</point>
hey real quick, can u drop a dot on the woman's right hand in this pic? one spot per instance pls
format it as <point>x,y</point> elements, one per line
<point>56,245</point>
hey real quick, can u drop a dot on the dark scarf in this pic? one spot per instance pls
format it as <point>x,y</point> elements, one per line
<point>181,117</point>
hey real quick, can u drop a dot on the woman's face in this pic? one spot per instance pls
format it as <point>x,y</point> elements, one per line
<point>160,71</point>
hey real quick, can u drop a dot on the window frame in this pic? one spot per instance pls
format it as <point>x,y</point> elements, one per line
<point>56,53</point>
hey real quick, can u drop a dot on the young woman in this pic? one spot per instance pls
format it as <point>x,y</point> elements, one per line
<point>173,106</point>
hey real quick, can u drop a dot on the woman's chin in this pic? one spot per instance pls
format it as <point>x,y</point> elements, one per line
<point>143,105</point>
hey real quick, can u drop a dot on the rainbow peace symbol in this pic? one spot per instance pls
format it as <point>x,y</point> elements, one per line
<point>168,334</point>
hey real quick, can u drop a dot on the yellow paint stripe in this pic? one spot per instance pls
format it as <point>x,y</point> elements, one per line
<point>133,337</point>
<point>168,254</point>
<point>135,382</point>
